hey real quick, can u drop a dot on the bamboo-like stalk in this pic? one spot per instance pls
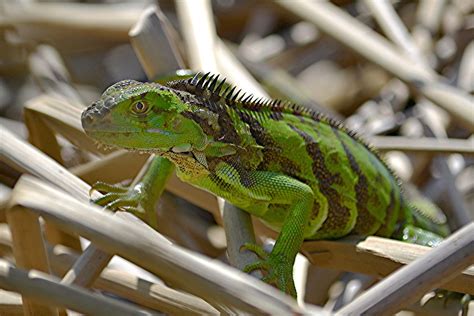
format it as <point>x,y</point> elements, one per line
<point>458,211</point>
<point>394,28</point>
<point>231,67</point>
<point>426,144</point>
<point>213,281</point>
<point>27,158</point>
<point>50,73</point>
<point>45,170</point>
<point>152,295</point>
<point>199,33</point>
<point>87,267</point>
<point>47,289</point>
<point>29,251</point>
<point>466,69</point>
<point>154,44</point>
<point>408,284</point>
<point>93,260</point>
<point>203,53</point>
<point>94,21</point>
<point>10,304</point>
<point>376,256</point>
<point>429,14</point>
<point>363,40</point>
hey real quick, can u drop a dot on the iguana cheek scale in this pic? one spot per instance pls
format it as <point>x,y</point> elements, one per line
<point>303,174</point>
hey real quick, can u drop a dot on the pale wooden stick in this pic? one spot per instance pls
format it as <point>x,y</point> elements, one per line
<point>152,295</point>
<point>50,73</point>
<point>29,251</point>
<point>394,28</point>
<point>236,236</point>
<point>429,14</point>
<point>352,33</point>
<point>231,67</point>
<point>466,69</point>
<point>93,260</point>
<point>145,293</point>
<point>431,145</point>
<point>43,137</point>
<point>408,284</point>
<point>87,267</point>
<point>109,21</point>
<point>154,43</point>
<point>29,159</point>
<point>457,211</point>
<point>44,288</point>
<point>376,256</point>
<point>106,167</point>
<point>203,54</point>
<point>199,32</point>
<point>10,304</point>
<point>213,281</point>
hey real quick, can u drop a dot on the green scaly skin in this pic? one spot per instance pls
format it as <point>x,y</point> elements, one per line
<point>304,175</point>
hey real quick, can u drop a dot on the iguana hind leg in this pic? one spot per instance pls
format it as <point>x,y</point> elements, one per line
<point>275,188</point>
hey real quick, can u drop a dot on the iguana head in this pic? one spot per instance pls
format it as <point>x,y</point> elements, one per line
<point>142,116</point>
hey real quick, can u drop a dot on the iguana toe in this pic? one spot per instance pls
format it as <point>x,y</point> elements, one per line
<point>278,271</point>
<point>118,197</point>
<point>257,249</point>
<point>107,188</point>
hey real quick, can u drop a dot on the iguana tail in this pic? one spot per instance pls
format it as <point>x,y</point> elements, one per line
<point>429,216</point>
<point>424,223</point>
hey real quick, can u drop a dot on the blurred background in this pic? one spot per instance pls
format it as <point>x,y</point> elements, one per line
<point>407,85</point>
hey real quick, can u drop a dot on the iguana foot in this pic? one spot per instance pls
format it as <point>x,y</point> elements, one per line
<point>120,197</point>
<point>278,270</point>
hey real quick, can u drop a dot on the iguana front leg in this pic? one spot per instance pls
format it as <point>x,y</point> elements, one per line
<point>264,188</point>
<point>141,196</point>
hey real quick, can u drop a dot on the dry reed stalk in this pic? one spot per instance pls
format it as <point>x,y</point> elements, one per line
<point>29,159</point>
<point>154,41</point>
<point>363,40</point>
<point>425,144</point>
<point>201,43</point>
<point>151,295</point>
<point>44,288</point>
<point>394,28</point>
<point>10,304</point>
<point>29,251</point>
<point>215,282</point>
<point>111,22</point>
<point>408,284</point>
<point>376,256</point>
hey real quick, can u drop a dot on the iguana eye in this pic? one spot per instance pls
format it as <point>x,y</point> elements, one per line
<point>139,107</point>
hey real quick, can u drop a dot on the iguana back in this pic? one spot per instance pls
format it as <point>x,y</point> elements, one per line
<point>303,174</point>
<point>362,194</point>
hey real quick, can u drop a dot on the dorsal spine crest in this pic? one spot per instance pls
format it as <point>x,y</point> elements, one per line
<point>205,85</point>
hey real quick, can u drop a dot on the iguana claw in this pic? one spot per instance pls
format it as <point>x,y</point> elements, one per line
<point>256,249</point>
<point>278,271</point>
<point>106,187</point>
<point>119,197</point>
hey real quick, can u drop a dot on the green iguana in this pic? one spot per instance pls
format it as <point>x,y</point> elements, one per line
<point>304,175</point>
